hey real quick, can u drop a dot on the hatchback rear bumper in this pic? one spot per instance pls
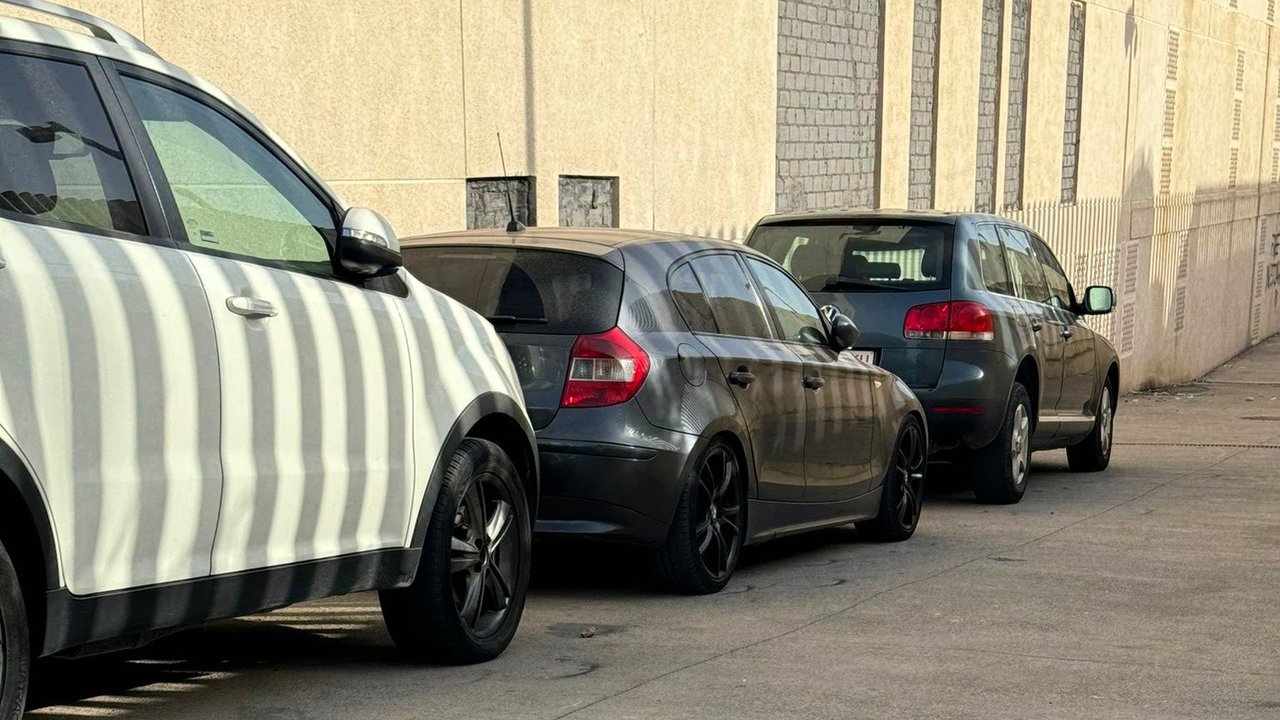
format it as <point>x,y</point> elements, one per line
<point>966,407</point>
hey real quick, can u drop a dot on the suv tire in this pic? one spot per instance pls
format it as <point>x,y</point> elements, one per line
<point>1000,469</point>
<point>466,601</point>
<point>1093,454</point>
<point>15,644</point>
<point>708,526</point>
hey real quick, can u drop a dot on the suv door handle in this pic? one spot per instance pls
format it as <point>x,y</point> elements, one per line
<point>1036,326</point>
<point>741,377</point>
<point>1066,333</point>
<point>251,307</point>
<point>813,382</point>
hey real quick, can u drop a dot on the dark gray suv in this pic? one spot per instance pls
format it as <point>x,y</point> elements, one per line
<point>687,393</point>
<point>975,313</point>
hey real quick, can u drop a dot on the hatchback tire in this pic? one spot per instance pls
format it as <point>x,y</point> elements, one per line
<point>1093,454</point>
<point>1000,469</point>
<point>15,643</point>
<point>902,496</point>
<point>465,603</point>
<point>702,547</point>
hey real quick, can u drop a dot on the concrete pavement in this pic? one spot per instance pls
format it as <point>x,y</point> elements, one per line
<point>1148,591</point>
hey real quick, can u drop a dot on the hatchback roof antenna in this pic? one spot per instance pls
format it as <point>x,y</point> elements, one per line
<point>515,225</point>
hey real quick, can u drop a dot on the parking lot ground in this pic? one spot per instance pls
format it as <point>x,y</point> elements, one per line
<point>1148,591</point>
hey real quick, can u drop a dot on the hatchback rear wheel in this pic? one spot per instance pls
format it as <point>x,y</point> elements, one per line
<point>702,547</point>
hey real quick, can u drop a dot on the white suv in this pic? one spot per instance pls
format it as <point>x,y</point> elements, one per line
<point>219,392</point>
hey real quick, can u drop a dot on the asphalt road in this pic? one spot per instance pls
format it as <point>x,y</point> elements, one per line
<point>1148,591</point>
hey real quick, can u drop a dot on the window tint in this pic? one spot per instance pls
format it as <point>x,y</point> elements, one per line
<point>59,158</point>
<point>995,271</point>
<point>234,196</point>
<point>860,256</point>
<point>528,291</point>
<point>1055,279</point>
<point>691,301</point>
<point>734,302</point>
<point>798,318</point>
<point>1024,267</point>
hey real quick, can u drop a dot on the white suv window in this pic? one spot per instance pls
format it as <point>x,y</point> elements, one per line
<point>235,197</point>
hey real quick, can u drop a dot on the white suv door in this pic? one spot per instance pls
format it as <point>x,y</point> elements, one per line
<point>109,379</point>
<point>316,454</point>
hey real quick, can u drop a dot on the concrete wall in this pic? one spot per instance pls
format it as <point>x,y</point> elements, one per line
<point>711,113</point>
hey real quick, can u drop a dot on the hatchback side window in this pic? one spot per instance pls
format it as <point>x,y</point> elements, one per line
<point>734,303</point>
<point>1059,286</point>
<point>234,196</point>
<point>995,268</point>
<point>1024,267</point>
<point>691,301</point>
<point>60,161</point>
<point>798,318</point>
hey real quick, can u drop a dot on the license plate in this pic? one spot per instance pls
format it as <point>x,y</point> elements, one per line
<point>866,356</point>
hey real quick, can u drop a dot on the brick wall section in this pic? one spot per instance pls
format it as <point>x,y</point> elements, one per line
<point>829,88</point>
<point>487,202</point>
<point>924,103</point>
<point>588,201</point>
<point>1016,131</point>
<point>984,191</point>
<point>1075,87</point>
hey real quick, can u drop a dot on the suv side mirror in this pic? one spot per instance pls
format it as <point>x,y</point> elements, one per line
<point>367,246</point>
<point>1098,300</point>
<point>844,334</point>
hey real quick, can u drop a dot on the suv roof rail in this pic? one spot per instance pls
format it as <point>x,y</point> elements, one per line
<point>100,28</point>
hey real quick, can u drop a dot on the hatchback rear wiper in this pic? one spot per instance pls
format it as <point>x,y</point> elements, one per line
<point>509,319</point>
<point>839,285</point>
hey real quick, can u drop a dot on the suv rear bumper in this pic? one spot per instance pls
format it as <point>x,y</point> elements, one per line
<point>966,408</point>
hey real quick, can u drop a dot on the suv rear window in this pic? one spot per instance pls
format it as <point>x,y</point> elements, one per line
<point>522,290</point>
<point>861,256</point>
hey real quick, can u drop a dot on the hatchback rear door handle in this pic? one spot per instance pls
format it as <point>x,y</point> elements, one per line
<point>741,377</point>
<point>813,382</point>
<point>251,307</point>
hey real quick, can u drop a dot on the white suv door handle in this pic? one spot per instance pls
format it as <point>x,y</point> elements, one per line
<point>250,307</point>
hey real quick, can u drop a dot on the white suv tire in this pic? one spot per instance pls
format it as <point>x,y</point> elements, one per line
<point>15,644</point>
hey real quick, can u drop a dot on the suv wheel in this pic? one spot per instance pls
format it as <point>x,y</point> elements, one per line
<point>903,491</point>
<point>702,547</point>
<point>1000,469</point>
<point>466,601</point>
<point>1093,454</point>
<point>15,651</point>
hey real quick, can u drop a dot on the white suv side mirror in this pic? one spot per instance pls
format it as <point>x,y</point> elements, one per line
<point>367,244</point>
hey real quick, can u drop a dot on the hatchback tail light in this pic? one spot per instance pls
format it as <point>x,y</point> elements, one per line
<point>604,369</point>
<point>960,320</point>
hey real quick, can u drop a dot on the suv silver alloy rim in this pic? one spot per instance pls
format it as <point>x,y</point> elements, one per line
<point>1020,444</point>
<point>908,470</point>
<point>1107,418</point>
<point>482,562</point>
<point>719,510</point>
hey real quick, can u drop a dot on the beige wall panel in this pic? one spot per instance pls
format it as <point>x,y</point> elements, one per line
<point>895,126</point>
<point>1046,101</point>
<point>1205,97</point>
<point>494,58</point>
<point>414,208</point>
<point>362,90</point>
<point>1142,167</point>
<point>1104,112</point>
<point>959,56</point>
<point>715,132</point>
<point>126,14</point>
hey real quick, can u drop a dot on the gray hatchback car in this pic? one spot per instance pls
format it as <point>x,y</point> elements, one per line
<point>687,393</point>
<point>975,313</point>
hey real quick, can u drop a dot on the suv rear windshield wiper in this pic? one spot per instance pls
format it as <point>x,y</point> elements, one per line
<point>509,319</point>
<point>845,285</point>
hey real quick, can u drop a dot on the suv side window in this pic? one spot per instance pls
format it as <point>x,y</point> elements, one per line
<point>1024,267</point>
<point>798,318</point>
<point>691,301</point>
<point>60,161</point>
<point>234,196</point>
<point>1059,286</point>
<point>994,264</point>
<point>734,303</point>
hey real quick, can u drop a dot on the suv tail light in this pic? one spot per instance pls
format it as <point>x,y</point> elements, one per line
<point>604,369</point>
<point>960,320</point>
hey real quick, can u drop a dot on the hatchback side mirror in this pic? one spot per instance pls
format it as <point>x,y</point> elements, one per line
<point>1098,300</point>
<point>367,245</point>
<point>844,334</point>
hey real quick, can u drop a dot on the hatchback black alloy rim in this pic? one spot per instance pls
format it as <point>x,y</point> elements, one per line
<point>908,477</point>
<point>484,556</point>
<point>719,513</point>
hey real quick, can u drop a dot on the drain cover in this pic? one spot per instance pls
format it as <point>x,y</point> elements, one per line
<point>1241,446</point>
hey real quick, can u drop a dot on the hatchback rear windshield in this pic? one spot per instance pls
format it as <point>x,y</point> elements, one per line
<point>521,290</point>
<point>861,256</point>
